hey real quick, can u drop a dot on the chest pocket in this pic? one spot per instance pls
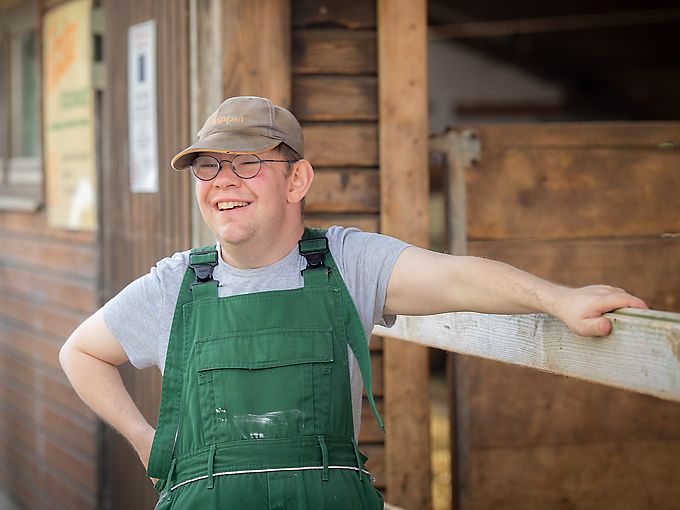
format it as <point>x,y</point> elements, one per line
<point>265,384</point>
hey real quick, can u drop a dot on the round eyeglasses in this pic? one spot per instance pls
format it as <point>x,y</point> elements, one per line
<point>246,166</point>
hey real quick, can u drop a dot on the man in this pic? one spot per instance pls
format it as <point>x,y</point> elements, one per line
<point>262,339</point>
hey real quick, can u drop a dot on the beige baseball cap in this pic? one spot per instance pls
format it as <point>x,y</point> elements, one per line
<point>244,125</point>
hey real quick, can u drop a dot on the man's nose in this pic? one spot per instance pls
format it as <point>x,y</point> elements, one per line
<point>226,177</point>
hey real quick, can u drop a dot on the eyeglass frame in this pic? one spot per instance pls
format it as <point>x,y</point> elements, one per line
<point>233,168</point>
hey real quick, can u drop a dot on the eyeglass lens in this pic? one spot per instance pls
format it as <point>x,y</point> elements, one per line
<point>246,166</point>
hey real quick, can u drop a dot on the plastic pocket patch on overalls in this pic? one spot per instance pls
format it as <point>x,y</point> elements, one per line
<point>279,375</point>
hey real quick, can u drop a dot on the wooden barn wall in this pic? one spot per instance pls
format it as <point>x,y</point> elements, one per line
<point>48,446</point>
<point>48,285</point>
<point>138,229</point>
<point>577,204</point>
<point>335,97</point>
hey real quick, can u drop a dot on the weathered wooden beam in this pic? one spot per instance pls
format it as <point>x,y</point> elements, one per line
<point>256,53</point>
<point>334,51</point>
<point>641,354</point>
<point>349,190</point>
<point>335,98</point>
<point>535,180</point>
<point>402,92</point>
<point>333,144</point>
<point>504,28</point>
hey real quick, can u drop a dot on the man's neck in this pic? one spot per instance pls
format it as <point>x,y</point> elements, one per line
<point>260,253</point>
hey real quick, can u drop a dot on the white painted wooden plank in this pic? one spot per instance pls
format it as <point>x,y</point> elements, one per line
<point>641,354</point>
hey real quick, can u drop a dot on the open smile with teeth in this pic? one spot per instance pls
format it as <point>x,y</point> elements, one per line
<point>226,206</point>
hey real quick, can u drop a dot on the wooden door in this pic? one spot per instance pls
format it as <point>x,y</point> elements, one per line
<point>576,204</point>
<point>140,228</point>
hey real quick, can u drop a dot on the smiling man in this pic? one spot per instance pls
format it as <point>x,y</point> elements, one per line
<point>263,338</point>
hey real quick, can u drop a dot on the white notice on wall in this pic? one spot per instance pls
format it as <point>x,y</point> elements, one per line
<point>142,121</point>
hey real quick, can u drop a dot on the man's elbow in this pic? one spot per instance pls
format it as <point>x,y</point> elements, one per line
<point>66,354</point>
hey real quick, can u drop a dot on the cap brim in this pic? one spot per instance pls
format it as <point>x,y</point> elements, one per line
<point>233,142</point>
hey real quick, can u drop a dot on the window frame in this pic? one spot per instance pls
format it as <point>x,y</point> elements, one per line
<point>21,177</point>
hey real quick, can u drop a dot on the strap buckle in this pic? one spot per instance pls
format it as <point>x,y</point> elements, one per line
<point>203,269</point>
<point>314,251</point>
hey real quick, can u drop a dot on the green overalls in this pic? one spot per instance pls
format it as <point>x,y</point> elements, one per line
<point>256,408</point>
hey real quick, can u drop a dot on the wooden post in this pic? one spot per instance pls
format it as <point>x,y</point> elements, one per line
<point>462,149</point>
<point>239,48</point>
<point>256,49</point>
<point>402,72</point>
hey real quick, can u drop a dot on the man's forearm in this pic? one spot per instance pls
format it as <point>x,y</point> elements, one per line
<point>101,387</point>
<point>424,282</point>
<point>495,287</point>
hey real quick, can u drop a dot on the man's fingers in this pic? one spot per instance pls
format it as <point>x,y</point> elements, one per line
<point>588,304</point>
<point>620,300</point>
<point>596,326</point>
<point>639,303</point>
<point>604,327</point>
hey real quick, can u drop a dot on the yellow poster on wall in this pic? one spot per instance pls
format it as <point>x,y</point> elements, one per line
<point>69,117</point>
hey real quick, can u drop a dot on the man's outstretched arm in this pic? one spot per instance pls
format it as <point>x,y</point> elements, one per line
<point>90,359</point>
<point>425,282</point>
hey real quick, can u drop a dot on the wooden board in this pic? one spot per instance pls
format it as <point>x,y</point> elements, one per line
<point>256,55</point>
<point>56,256</point>
<point>66,462</point>
<point>51,483</point>
<point>371,432</point>
<point>641,354</point>
<point>377,373</point>
<point>646,267</point>
<point>48,289</point>
<point>56,423</point>
<point>341,145</point>
<point>574,192</point>
<point>41,385</point>
<point>376,462</point>
<point>334,13</point>
<point>41,349</point>
<point>35,226</point>
<point>402,53</point>
<point>44,320</point>
<point>527,402</point>
<point>334,51</point>
<point>579,134</point>
<point>612,474</point>
<point>18,488</point>
<point>343,191</point>
<point>335,98</point>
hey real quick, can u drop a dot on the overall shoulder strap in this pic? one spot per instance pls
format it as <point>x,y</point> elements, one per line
<point>163,445</point>
<point>197,283</point>
<point>321,270</point>
<point>356,338</point>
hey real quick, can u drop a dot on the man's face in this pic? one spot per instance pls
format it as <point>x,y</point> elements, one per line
<point>240,210</point>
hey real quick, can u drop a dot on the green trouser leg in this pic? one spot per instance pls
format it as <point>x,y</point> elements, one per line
<point>256,408</point>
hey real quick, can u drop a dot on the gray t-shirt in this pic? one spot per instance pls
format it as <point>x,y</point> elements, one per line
<point>140,316</point>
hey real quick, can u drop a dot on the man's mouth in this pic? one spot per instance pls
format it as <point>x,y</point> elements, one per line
<point>227,206</point>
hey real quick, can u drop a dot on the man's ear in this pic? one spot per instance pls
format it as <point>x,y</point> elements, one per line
<point>299,180</point>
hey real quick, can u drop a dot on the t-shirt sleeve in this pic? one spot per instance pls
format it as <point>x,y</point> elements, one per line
<point>366,261</point>
<point>140,316</point>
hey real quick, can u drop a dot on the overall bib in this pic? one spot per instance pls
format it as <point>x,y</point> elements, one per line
<point>256,408</point>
